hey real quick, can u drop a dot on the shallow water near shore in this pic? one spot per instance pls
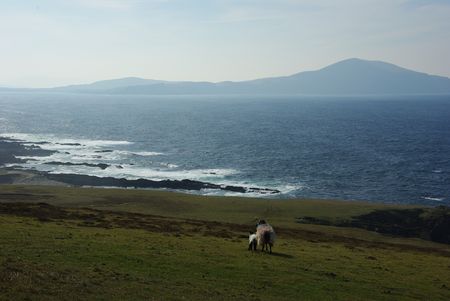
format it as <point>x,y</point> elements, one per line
<point>388,149</point>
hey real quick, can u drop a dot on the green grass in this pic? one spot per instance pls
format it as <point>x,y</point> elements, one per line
<point>239,210</point>
<point>230,209</point>
<point>103,255</point>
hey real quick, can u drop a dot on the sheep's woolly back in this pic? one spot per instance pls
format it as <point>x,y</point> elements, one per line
<point>261,230</point>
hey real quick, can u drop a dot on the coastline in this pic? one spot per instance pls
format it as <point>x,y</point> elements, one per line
<point>429,223</point>
<point>25,177</point>
<point>12,151</point>
<point>16,151</point>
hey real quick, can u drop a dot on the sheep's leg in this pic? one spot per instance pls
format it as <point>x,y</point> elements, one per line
<point>270,245</point>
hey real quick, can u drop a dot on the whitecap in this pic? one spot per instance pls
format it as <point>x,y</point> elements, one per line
<point>284,189</point>
<point>168,165</point>
<point>102,151</point>
<point>77,149</point>
<point>56,141</point>
<point>143,153</point>
<point>127,171</point>
<point>428,198</point>
<point>133,172</point>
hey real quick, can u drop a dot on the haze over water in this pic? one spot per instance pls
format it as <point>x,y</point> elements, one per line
<point>389,149</point>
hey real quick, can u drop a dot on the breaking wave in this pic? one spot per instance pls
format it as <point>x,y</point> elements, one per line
<point>117,159</point>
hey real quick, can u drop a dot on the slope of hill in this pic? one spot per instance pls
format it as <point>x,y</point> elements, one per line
<point>355,76</point>
<point>105,85</point>
<point>152,245</point>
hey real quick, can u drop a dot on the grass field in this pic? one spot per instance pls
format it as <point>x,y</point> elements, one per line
<point>111,244</point>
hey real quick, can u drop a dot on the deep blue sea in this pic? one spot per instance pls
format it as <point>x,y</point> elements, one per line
<point>386,149</point>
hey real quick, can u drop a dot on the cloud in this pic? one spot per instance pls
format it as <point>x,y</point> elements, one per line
<point>84,40</point>
<point>264,10</point>
<point>107,4</point>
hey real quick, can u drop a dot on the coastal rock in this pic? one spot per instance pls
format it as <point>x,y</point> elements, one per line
<point>70,144</point>
<point>10,149</point>
<point>85,180</point>
<point>99,165</point>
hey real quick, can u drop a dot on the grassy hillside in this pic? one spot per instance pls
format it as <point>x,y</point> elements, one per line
<point>146,245</point>
<point>230,209</point>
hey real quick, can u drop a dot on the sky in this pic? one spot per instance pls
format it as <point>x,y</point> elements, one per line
<point>47,43</point>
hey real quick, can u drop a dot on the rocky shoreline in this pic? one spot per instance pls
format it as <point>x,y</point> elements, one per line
<point>10,149</point>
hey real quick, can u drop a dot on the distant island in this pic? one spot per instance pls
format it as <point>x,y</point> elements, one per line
<point>348,77</point>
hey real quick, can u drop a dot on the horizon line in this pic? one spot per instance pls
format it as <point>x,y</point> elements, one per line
<point>3,86</point>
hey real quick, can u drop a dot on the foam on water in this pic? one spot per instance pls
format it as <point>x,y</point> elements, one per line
<point>133,172</point>
<point>168,165</point>
<point>285,189</point>
<point>52,142</point>
<point>428,198</point>
<point>117,154</point>
<point>70,149</point>
<point>78,151</point>
<point>130,172</point>
<point>146,154</point>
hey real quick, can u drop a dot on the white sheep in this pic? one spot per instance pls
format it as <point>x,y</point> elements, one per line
<point>252,241</point>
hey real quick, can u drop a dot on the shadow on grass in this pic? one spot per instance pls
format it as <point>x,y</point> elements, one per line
<point>282,255</point>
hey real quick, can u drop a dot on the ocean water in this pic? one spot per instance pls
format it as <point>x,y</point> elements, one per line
<point>384,149</point>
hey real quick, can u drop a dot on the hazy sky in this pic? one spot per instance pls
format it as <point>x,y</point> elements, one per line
<point>54,42</point>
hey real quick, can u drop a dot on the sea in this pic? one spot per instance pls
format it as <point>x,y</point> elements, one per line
<point>391,149</point>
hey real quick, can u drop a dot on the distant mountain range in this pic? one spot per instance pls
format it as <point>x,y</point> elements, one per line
<point>352,76</point>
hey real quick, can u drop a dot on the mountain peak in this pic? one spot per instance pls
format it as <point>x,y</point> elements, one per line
<point>360,64</point>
